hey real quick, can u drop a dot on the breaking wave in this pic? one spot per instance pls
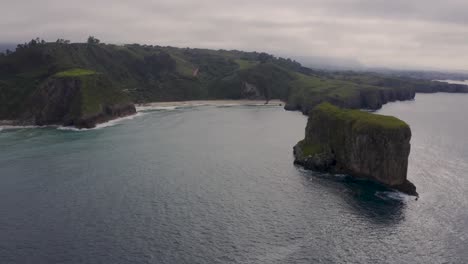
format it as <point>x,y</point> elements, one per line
<point>110,123</point>
<point>394,195</point>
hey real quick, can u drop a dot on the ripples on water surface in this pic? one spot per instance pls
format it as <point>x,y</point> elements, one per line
<point>217,185</point>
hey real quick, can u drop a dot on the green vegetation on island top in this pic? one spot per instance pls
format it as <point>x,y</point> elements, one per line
<point>337,120</point>
<point>74,73</point>
<point>360,119</point>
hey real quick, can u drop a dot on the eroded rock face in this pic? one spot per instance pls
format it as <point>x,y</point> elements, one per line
<point>53,102</point>
<point>357,143</point>
<point>108,112</point>
<point>82,102</point>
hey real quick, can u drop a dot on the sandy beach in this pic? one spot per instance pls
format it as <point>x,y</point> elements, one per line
<point>210,103</point>
<point>14,124</point>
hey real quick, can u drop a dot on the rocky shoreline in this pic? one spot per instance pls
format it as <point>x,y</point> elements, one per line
<point>74,98</point>
<point>108,114</point>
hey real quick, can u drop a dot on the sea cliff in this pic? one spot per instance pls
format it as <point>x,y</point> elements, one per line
<point>79,98</point>
<point>357,143</point>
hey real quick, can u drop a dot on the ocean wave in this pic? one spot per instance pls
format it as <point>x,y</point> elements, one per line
<point>394,195</point>
<point>110,123</point>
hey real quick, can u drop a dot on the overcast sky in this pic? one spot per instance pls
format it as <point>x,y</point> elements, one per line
<point>395,33</point>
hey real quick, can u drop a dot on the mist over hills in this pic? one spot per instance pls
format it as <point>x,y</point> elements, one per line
<point>330,63</point>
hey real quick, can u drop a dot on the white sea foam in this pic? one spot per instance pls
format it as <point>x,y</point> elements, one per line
<point>102,125</point>
<point>394,195</point>
<point>148,108</point>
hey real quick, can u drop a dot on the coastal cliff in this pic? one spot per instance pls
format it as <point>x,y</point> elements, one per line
<point>79,98</point>
<point>357,143</point>
<point>354,98</point>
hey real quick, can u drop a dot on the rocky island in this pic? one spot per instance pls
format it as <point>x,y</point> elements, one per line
<point>357,143</point>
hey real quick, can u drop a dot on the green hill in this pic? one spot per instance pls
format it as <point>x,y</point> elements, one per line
<point>77,97</point>
<point>153,73</point>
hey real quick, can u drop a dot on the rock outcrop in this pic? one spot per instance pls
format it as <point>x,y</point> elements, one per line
<point>81,101</point>
<point>357,143</point>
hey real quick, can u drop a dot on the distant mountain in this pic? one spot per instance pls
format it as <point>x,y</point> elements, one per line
<point>424,75</point>
<point>349,64</point>
<point>329,63</point>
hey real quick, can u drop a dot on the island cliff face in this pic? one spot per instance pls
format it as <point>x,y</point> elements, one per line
<point>357,143</point>
<point>81,100</point>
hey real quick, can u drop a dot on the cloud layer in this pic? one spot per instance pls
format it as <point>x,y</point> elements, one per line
<point>397,33</point>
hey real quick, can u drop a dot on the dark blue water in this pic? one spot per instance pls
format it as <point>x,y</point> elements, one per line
<point>218,185</point>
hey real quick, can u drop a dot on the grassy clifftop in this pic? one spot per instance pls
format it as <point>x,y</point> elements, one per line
<point>96,90</point>
<point>340,122</point>
<point>360,119</point>
<point>74,73</point>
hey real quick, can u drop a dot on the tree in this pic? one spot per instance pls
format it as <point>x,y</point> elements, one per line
<point>93,41</point>
<point>62,41</point>
<point>264,57</point>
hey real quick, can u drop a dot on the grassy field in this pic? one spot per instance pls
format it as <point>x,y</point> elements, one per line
<point>246,64</point>
<point>74,73</point>
<point>360,119</point>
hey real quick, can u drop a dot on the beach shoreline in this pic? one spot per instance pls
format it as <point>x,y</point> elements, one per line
<point>212,103</point>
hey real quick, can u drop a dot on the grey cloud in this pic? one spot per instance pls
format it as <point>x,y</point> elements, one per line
<point>419,33</point>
